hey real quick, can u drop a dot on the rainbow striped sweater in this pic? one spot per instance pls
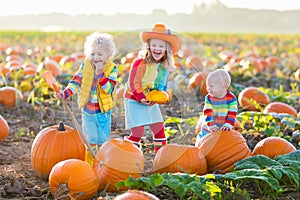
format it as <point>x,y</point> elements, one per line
<point>107,84</point>
<point>220,111</point>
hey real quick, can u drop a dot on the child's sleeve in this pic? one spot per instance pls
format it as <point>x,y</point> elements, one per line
<point>108,84</point>
<point>74,83</point>
<point>209,114</point>
<point>135,79</point>
<point>232,111</point>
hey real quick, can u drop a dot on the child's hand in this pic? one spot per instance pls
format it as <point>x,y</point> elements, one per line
<point>99,66</point>
<point>225,128</point>
<point>146,102</point>
<point>214,129</point>
<point>59,95</point>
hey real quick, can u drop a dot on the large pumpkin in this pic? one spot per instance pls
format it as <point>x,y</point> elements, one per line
<point>158,96</point>
<point>273,146</point>
<point>222,149</point>
<point>4,129</point>
<point>136,195</point>
<point>9,96</point>
<point>250,96</point>
<point>75,177</point>
<point>115,161</point>
<point>174,158</point>
<point>280,107</point>
<point>54,144</point>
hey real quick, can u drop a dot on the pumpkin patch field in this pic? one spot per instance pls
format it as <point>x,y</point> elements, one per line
<point>41,152</point>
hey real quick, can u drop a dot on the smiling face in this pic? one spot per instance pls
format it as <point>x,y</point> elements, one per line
<point>157,48</point>
<point>99,55</point>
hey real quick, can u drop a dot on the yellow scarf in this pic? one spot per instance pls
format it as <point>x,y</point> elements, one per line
<point>105,100</point>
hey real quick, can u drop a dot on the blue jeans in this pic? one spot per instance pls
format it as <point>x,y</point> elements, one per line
<point>96,128</point>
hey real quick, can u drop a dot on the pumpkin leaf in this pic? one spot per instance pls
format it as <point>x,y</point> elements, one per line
<point>255,162</point>
<point>157,179</point>
<point>290,172</point>
<point>292,159</point>
<point>178,187</point>
<point>254,174</point>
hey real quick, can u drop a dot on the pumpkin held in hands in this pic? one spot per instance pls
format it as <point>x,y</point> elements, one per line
<point>158,96</point>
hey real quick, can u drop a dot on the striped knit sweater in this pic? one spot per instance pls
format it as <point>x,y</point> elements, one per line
<point>107,84</point>
<point>220,111</point>
<point>145,77</point>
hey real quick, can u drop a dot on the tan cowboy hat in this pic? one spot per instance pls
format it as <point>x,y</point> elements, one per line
<point>159,31</point>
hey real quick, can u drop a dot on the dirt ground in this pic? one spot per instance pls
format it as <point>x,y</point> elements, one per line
<point>17,178</point>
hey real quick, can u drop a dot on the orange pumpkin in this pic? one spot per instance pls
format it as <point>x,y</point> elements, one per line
<point>173,158</point>
<point>56,57</point>
<point>4,129</point>
<point>76,177</point>
<point>68,59</point>
<point>251,96</point>
<point>136,195</point>
<point>297,74</point>
<point>30,68</point>
<point>222,149</point>
<point>194,62</point>
<point>115,161</point>
<point>9,96</point>
<point>198,80</point>
<point>52,66</point>
<point>158,96</point>
<point>54,144</point>
<point>273,146</point>
<point>280,107</point>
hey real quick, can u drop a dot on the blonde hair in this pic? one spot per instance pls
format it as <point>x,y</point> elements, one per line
<point>221,75</point>
<point>97,38</point>
<point>167,59</point>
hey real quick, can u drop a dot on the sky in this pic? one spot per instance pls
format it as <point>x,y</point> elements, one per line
<point>110,7</point>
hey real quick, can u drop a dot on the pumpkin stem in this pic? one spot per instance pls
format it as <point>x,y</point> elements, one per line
<point>61,126</point>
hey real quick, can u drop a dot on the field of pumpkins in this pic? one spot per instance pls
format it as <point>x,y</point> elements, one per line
<point>41,153</point>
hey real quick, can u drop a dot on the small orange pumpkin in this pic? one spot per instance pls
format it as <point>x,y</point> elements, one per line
<point>52,66</point>
<point>158,96</point>
<point>222,149</point>
<point>4,128</point>
<point>198,80</point>
<point>273,146</point>
<point>76,177</point>
<point>280,107</point>
<point>194,62</point>
<point>9,96</point>
<point>54,144</point>
<point>251,95</point>
<point>173,158</point>
<point>136,195</point>
<point>115,161</point>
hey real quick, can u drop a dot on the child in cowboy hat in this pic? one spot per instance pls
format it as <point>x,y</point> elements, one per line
<point>95,81</point>
<point>149,72</point>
